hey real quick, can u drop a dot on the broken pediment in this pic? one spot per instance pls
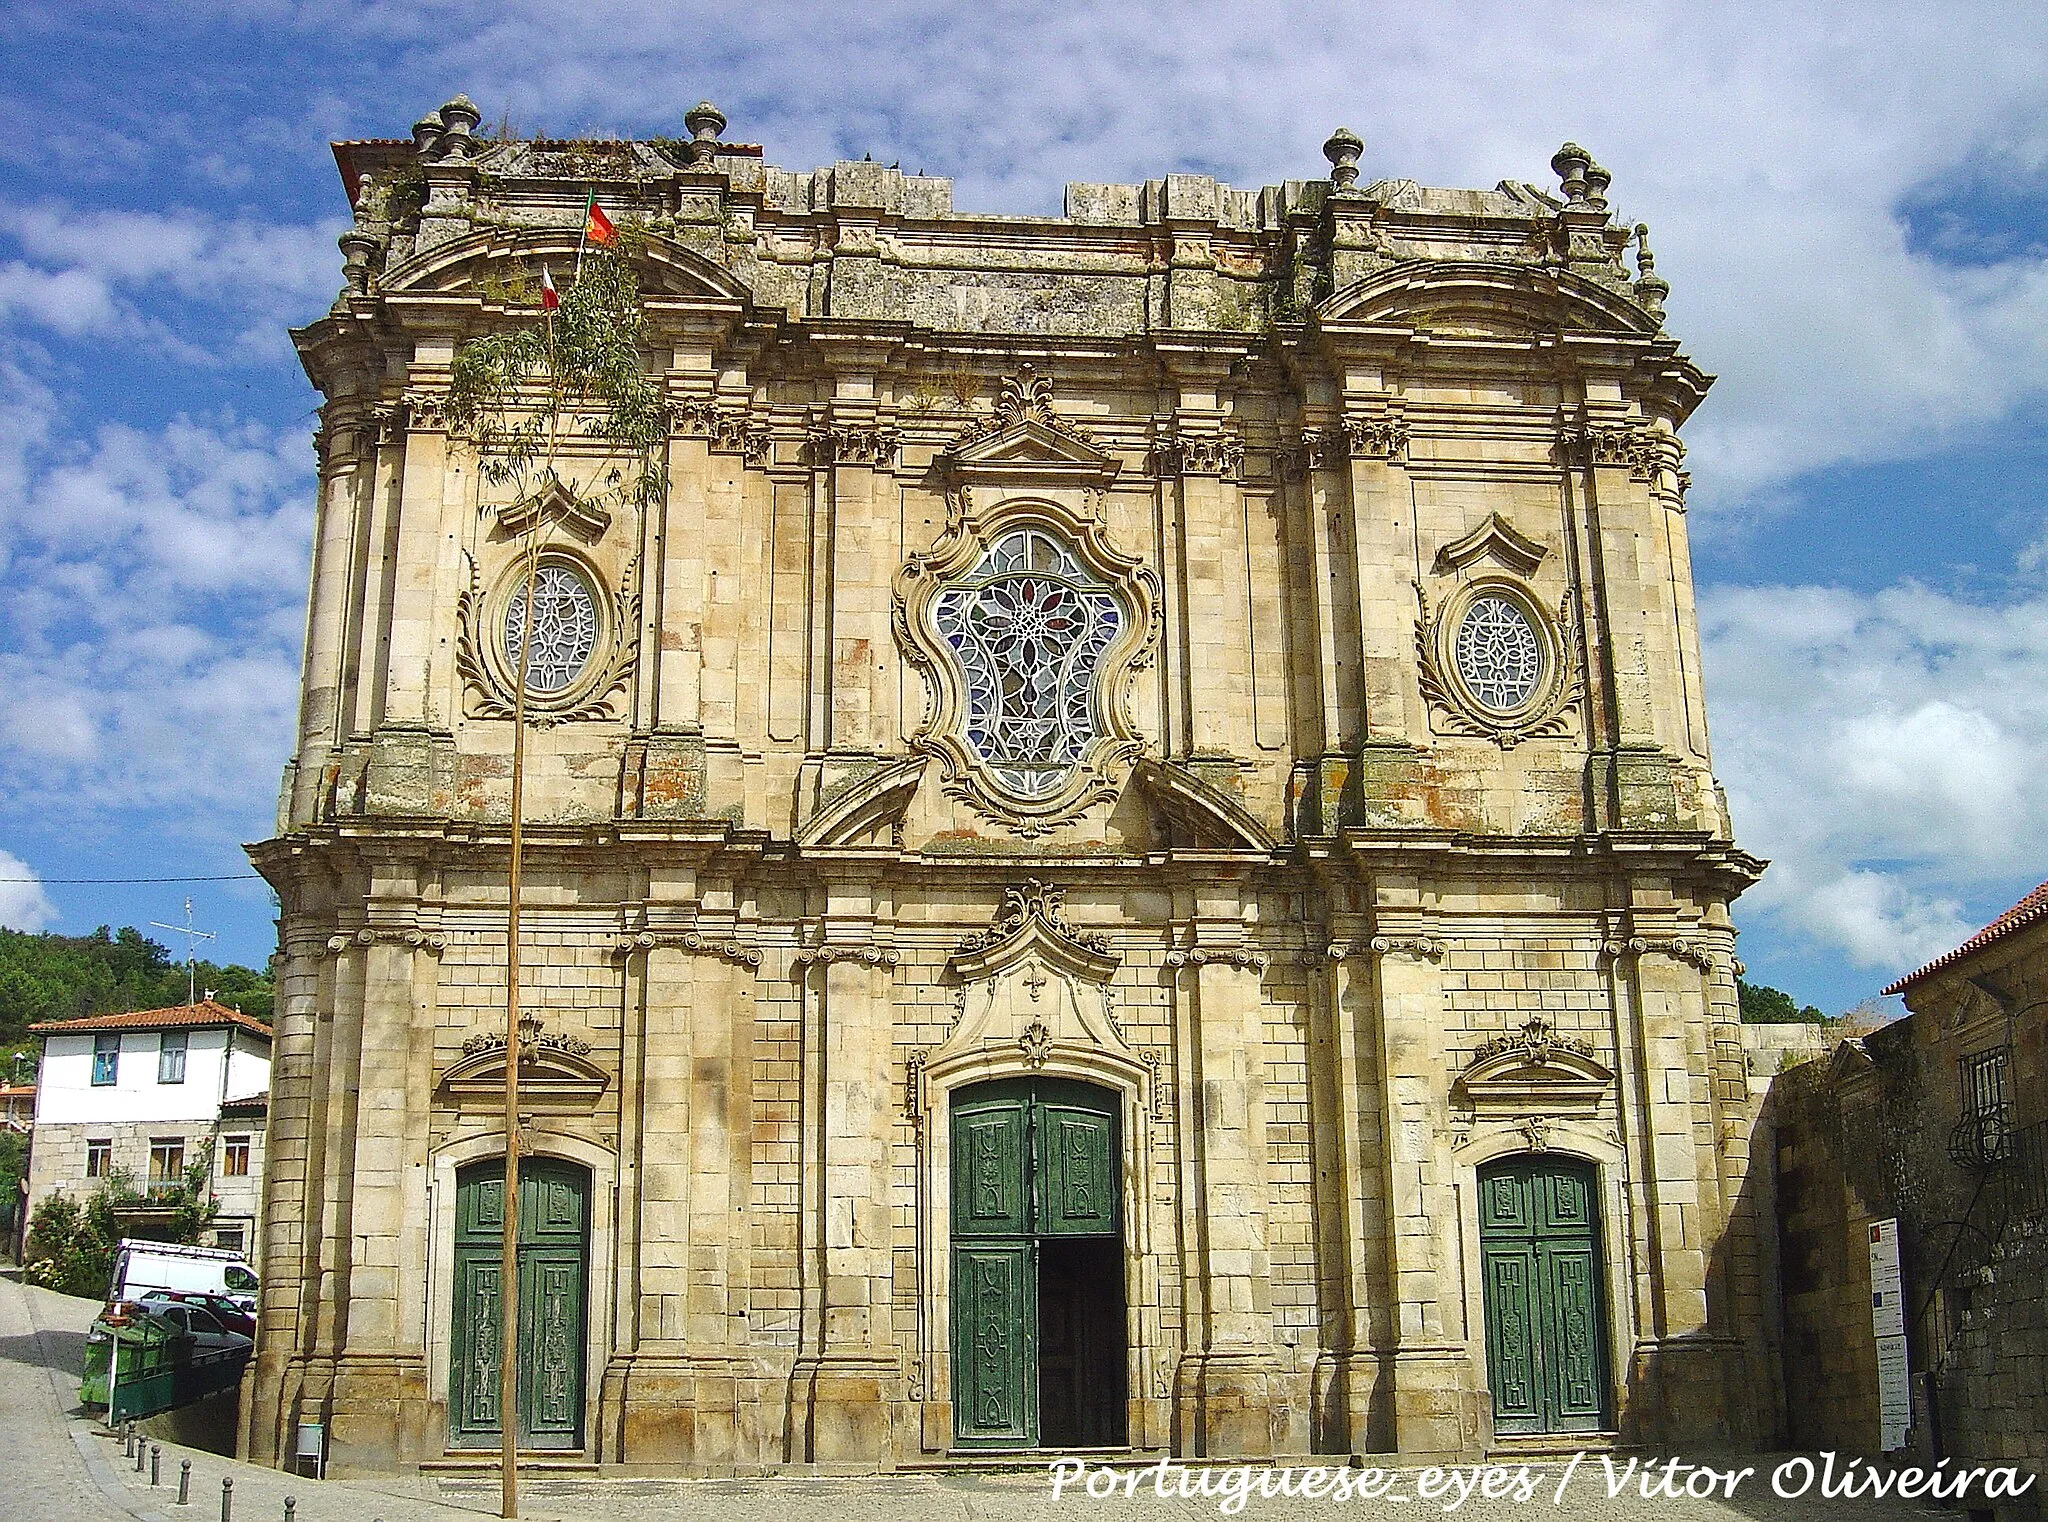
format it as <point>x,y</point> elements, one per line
<point>1535,1072</point>
<point>1199,807</point>
<point>865,808</point>
<point>1497,538</point>
<point>554,503</point>
<point>1032,922</point>
<point>1026,441</point>
<point>556,1075</point>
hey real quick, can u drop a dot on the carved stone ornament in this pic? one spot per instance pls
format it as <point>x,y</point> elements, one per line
<point>1495,664</point>
<point>1036,1044</point>
<point>725,430</point>
<point>1034,906</point>
<point>866,954</point>
<point>556,1074</point>
<point>1496,539</point>
<point>1593,443</point>
<point>489,673</point>
<point>1678,948</point>
<point>1201,454</point>
<point>687,940</point>
<point>1426,948</point>
<point>1536,1131</point>
<point>416,940</point>
<point>1534,1070</point>
<point>1381,437</point>
<point>1221,956</point>
<point>553,503</point>
<point>853,444</point>
<point>1026,625</point>
<point>1024,399</point>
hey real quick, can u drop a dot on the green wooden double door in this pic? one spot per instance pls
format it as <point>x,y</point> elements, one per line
<point>1546,1343</point>
<point>1038,1267</point>
<point>553,1259</point>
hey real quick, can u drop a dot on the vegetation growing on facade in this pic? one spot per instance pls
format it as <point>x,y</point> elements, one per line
<point>525,392</point>
<point>71,1245</point>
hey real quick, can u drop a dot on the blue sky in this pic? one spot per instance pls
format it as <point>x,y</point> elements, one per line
<point>1852,209</point>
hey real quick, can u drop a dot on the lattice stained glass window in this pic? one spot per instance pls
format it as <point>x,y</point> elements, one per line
<point>1029,625</point>
<point>1500,655</point>
<point>564,628</point>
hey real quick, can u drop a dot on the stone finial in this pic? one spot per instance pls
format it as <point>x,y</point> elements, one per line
<point>1650,287</point>
<point>1342,150</point>
<point>459,119</point>
<point>426,132</point>
<point>1597,181</point>
<point>1570,164</point>
<point>705,122</point>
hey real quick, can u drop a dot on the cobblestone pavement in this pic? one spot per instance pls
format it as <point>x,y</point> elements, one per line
<point>56,1466</point>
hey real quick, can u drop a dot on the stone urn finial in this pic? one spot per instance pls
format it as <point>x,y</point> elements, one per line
<point>1342,150</point>
<point>426,132</point>
<point>705,122</point>
<point>1650,287</point>
<point>1571,163</point>
<point>1597,181</point>
<point>459,119</point>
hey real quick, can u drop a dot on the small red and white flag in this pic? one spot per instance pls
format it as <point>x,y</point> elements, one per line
<point>597,227</point>
<point>549,297</point>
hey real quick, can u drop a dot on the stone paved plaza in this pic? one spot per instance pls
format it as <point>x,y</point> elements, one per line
<point>55,1465</point>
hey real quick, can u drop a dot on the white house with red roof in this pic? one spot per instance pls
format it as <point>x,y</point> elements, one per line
<point>148,1093</point>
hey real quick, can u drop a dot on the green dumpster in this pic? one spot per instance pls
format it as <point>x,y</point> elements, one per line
<point>148,1361</point>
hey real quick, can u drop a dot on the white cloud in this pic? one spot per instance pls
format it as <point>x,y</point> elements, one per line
<point>104,272</point>
<point>1770,149</point>
<point>1885,752</point>
<point>151,591</point>
<point>23,904</point>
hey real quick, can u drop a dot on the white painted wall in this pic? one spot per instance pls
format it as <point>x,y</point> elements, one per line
<point>65,1094</point>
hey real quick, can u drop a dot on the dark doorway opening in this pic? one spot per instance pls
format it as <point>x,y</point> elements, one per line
<point>1081,1343</point>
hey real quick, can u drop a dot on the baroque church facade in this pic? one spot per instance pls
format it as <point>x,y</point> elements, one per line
<point>1126,857</point>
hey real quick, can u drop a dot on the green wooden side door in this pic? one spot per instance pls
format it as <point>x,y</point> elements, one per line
<point>1030,1160</point>
<point>554,1238</point>
<point>1546,1347</point>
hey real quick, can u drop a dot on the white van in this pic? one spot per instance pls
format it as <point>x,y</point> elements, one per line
<point>140,1267</point>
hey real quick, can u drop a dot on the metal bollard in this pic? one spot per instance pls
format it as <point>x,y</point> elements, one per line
<point>141,1453</point>
<point>128,1440</point>
<point>156,1457</point>
<point>227,1501</point>
<point>291,1508</point>
<point>185,1482</point>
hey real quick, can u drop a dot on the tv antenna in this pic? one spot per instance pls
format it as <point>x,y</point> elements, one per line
<point>192,940</point>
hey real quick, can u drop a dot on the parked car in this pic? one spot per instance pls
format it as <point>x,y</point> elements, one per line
<point>228,1312</point>
<point>200,1325</point>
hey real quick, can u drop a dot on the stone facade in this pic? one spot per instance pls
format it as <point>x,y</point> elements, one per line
<point>1937,1120</point>
<point>1340,911</point>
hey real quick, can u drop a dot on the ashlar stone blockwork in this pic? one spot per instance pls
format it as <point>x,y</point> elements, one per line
<point>1041,677</point>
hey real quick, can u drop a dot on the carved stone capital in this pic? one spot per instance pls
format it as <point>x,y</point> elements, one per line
<point>688,940</point>
<point>1376,438</point>
<point>416,940</point>
<point>1677,948</point>
<point>842,444</point>
<point>1426,948</point>
<point>1225,956</point>
<point>867,954</point>
<point>1202,454</point>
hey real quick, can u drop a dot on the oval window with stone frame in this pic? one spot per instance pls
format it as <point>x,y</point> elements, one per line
<point>1028,625</point>
<point>567,623</point>
<point>1499,653</point>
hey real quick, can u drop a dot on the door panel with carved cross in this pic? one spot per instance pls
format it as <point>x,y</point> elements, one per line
<point>553,1257</point>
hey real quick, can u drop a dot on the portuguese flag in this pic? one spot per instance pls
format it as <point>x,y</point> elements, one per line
<point>597,227</point>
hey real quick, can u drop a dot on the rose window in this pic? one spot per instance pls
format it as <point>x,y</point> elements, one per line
<point>564,629</point>
<point>1500,655</point>
<point>1029,626</point>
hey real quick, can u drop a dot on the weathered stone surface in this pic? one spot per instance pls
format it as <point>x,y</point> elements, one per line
<point>1291,439</point>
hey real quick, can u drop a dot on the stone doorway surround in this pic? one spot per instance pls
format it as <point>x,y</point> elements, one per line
<point>439,1298</point>
<point>1034,1004</point>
